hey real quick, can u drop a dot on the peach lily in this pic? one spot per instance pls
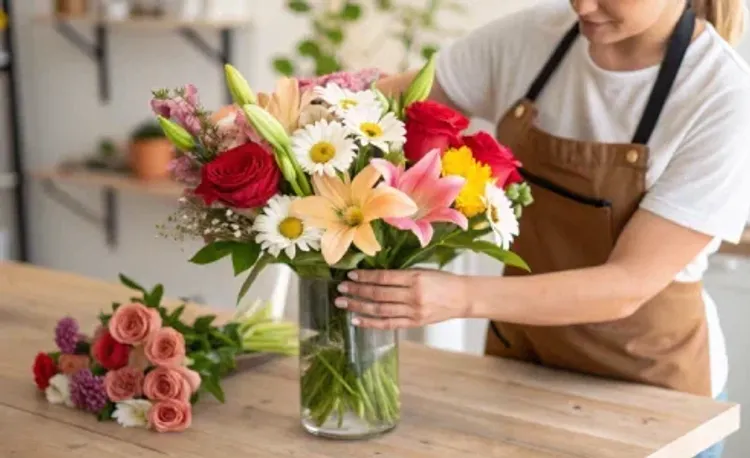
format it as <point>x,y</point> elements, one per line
<point>345,209</point>
<point>432,194</point>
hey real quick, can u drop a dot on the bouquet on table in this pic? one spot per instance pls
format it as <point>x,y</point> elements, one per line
<point>145,367</point>
<point>330,175</point>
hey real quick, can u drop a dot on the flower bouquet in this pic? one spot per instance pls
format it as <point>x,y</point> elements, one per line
<point>329,176</point>
<point>146,367</point>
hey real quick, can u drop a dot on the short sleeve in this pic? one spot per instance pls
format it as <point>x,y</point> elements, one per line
<point>706,185</point>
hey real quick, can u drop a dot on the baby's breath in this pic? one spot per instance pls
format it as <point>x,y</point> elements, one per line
<point>193,220</point>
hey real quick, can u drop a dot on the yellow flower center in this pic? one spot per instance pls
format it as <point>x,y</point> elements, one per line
<point>348,103</point>
<point>322,152</point>
<point>291,227</point>
<point>353,216</point>
<point>371,129</point>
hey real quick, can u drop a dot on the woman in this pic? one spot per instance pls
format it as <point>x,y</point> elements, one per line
<point>631,120</point>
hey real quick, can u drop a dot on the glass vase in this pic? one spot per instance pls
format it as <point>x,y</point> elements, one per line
<point>349,383</point>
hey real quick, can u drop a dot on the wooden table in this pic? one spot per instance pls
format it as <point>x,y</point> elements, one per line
<point>454,405</point>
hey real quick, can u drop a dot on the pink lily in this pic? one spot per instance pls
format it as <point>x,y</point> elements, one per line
<point>432,193</point>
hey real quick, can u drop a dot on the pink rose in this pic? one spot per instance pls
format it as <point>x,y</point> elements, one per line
<point>170,416</point>
<point>166,347</point>
<point>164,383</point>
<point>123,384</point>
<point>192,377</point>
<point>132,324</point>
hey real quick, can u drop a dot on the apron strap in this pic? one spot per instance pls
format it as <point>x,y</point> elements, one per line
<point>678,45</point>
<point>677,48</point>
<point>552,63</point>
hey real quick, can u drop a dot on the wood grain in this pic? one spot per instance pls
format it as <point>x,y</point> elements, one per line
<point>118,181</point>
<point>144,22</point>
<point>454,405</point>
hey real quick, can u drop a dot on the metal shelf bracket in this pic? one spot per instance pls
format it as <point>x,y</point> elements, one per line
<point>107,221</point>
<point>95,49</point>
<point>220,56</point>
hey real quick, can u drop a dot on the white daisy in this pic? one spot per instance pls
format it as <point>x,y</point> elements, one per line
<point>371,128</point>
<point>343,100</point>
<point>132,413</point>
<point>278,230</point>
<point>58,391</point>
<point>500,215</point>
<point>323,148</point>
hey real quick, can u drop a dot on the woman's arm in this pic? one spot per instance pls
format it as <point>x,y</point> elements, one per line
<point>647,256</point>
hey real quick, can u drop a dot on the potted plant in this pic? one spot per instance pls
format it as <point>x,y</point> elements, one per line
<point>150,152</point>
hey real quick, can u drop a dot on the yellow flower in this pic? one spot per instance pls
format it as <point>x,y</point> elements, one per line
<point>461,162</point>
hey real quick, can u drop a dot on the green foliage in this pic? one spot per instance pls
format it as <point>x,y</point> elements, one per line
<point>147,130</point>
<point>319,53</point>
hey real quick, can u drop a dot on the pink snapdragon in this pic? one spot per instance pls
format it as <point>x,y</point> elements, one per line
<point>180,108</point>
<point>433,194</point>
<point>354,81</point>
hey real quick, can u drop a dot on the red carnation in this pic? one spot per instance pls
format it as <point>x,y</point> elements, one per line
<point>242,177</point>
<point>44,369</point>
<point>430,125</point>
<point>108,352</point>
<point>488,151</point>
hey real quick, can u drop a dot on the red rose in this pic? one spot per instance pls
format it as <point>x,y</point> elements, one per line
<point>242,177</point>
<point>430,125</point>
<point>108,352</point>
<point>487,150</point>
<point>44,369</point>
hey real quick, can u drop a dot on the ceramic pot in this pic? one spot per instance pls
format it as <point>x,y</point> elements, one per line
<point>150,158</point>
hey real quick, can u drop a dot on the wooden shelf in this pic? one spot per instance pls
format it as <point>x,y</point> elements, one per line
<point>741,249</point>
<point>145,22</point>
<point>112,180</point>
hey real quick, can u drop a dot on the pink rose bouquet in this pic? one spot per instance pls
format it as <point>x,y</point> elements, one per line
<point>146,367</point>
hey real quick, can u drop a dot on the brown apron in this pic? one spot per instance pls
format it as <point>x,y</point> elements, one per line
<point>584,195</point>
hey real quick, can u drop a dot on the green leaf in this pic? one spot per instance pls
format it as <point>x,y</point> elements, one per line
<point>314,271</point>
<point>83,348</point>
<point>131,284</point>
<point>351,12</point>
<point>490,249</point>
<point>212,252</point>
<point>176,313</point>
<point>97,369</point>
<point>349,261</point>
<point>335,35</point>
<point>307,258</point>
<point>153,299</point>
<point>259,266</point>
<point>106,413</point>
<point>232,330</point>
<point>326,64</point>
<point>444,255</point>
<point>428,51</point>
<point>203,324</point>
<point>298,6</point>
<point>104,318</point>
<point>244,256</point>
<point>211,384</point>
<point>309,48</point>
<point>283,66</point>
<point>383,5</point>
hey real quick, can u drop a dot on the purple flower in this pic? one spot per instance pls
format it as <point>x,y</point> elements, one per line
<point>87,391</point>
<point>354,81</point>
<point>66,335</point>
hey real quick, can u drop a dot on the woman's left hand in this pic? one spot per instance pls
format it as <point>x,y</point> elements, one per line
<point>391,299</point>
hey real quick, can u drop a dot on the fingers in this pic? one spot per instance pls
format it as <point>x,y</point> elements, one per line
<point>377,310</point>
<point>383,277</point>
<point>377,293</point>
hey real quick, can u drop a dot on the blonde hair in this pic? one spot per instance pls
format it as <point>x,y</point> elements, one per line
<point>727,17</point>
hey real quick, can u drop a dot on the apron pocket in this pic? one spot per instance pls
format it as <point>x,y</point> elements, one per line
<point>582,229</point>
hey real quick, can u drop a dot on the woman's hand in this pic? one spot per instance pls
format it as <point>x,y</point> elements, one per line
<point>391,299</point>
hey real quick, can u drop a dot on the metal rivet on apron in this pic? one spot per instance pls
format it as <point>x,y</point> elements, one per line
<point>520,110</point>
<point>632,156</point>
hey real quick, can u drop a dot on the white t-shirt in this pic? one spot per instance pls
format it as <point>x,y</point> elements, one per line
<point>699,168</point>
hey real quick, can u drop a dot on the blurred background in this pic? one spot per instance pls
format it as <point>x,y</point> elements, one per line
<point>83,178</point>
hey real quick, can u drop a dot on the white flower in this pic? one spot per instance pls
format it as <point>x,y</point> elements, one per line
<point>343,100</point>
<point>323,148</point>
<point>132,413</point>
<point>58,391</point>
<point>278,230</point>
<point>500,215</point>
<point>371,128</point>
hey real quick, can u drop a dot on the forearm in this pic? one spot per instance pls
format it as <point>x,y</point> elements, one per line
<point>590,295</point>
